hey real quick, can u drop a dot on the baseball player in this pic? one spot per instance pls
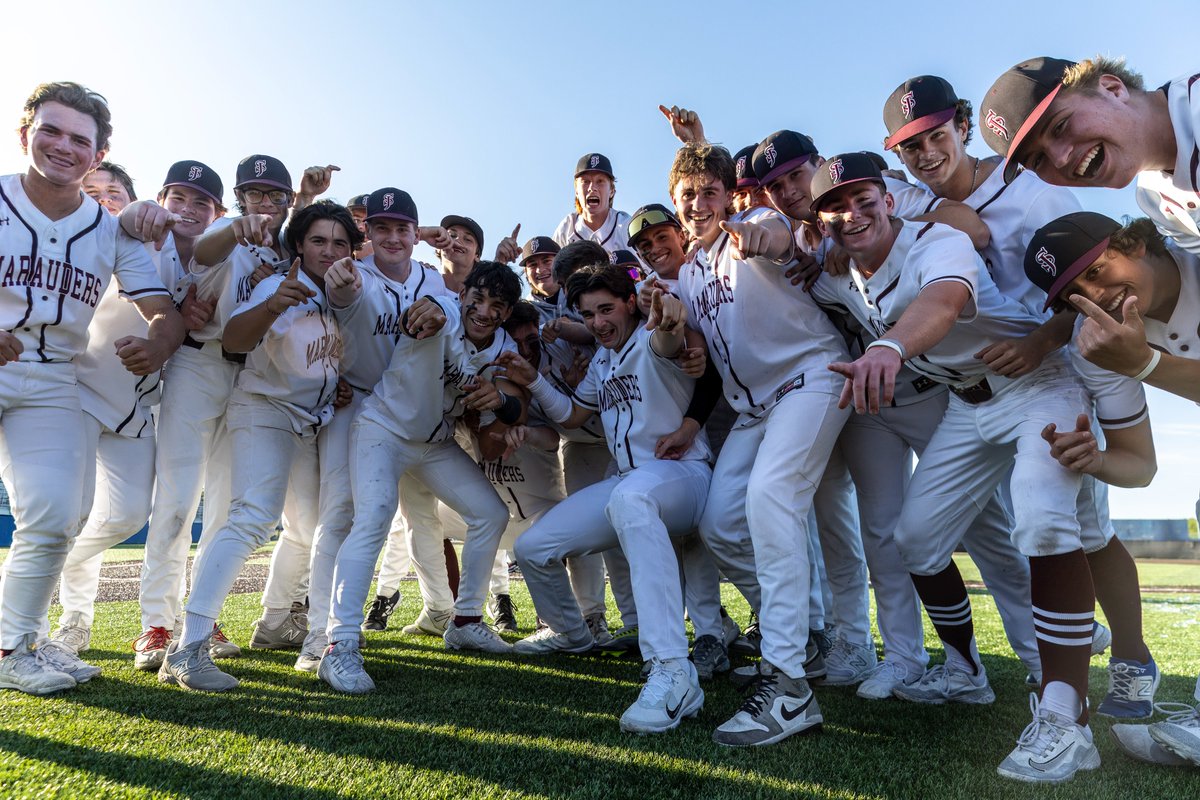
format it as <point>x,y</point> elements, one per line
<point>640,395</point>
<point>913,285</point>
<point>58,252</point>
<point>283,397</point>
<point>1139,299</point>
<point>594,218</point>
<point>1093,123</point>
<point>358,209</point>
<point>117,405</point>
<point>110,186</point>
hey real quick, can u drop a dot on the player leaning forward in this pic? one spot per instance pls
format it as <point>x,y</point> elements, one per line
<point>925,291</point>
<point>58,251</point>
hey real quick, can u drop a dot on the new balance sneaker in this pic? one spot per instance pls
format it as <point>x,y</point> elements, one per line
<point>710,656</point>
<point>192,668</point>
<point>287,635</point>
<point>381,608</point>
<point>1051,749</point>
<point>881,682</point>
<point>1136,742</point>
<point>729,629</point>
<point>777,707</point>
<point>623,641</point>
<point>474,636</point>
<point>947,684</point>
<point>149,649</point>
<point>598,624</point>
<point>1180,732</point>
<point>73,634</point>
<point>1131,688</point>
<point>503,612</point>
<point>220,646</point>
<point>28,670</point>
<point>1101,638</point>
<point>311,651</point>
<point>749,644</point>
<point>849,664</point>
<point>342,668</point>
<point>546,641</point>
<point>429,623</point>
<point>63,658</point>
<point>671,693</point>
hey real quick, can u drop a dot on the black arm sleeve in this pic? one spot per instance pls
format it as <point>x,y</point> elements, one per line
<point>705,396</point>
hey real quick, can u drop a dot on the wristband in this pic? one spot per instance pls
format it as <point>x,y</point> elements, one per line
<point>890,344</point>
<point>1155,357</point>
<point>509,410</point>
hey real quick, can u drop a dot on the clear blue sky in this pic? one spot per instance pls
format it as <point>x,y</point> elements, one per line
<point>483,108</point>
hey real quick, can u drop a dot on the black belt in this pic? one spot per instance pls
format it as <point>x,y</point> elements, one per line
<point>234,358</point>
<point>974,394</point>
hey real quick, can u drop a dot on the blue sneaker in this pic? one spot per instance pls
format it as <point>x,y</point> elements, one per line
<point>1131,688</point>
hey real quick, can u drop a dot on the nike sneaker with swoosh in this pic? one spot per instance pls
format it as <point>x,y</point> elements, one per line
<point>1051,749</point>
<point>777,707</point>
<point>671,693</point>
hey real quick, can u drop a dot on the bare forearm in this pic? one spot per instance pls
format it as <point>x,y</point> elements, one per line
<point>246,330</point>
<point>1179,376</point>
<point>214,247</point>
<point>930,317</point>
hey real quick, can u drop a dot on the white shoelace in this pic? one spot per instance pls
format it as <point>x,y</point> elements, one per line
<point>1180,714</point>
<point>1041,735</point>
<point>658,684</point>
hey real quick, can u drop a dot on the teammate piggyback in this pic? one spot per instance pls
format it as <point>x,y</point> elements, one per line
<point>848,317</point>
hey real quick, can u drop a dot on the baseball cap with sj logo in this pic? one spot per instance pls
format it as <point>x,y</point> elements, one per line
<point>1015,103</point>
<point>841,170</point>
<point>198,176</point>
<point>1062,250</point>
<point>266,170</point>
<point>594,162</point>
<point>780,153</point>
<point>918,105</point>
<point>391,203</point>
<point>538,246</point>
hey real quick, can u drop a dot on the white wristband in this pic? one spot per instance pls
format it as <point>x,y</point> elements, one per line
<point>890,344</point>
<point>1155,357</point>
<point>556,405</point>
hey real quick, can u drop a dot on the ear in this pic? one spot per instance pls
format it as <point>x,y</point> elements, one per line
<point>822,227</point>
<point>1112,85</point>
<point>24,133</point>
<point>100,154</point>
<point>462,295</point>
<point>890,203</point>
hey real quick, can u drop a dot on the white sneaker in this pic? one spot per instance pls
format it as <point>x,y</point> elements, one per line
<point>1101,638</point>
<point>311,651</point>
<point>1180,732</point>
<point>28,670</point>
<point>881,682</point>
<point>150,648</point>
<point>1136,742</point>
<point>1051,749</point>
<point>848,664</point>
<point>192,668</point>
<point>429,623</point>
<point>671,693</point>
<point>547,641</point>
<point>777,708</point>
<point>63,658</point>
<point>948,684</point>
<point>729,629</point>
<point>220,646</point>
<point>342,668</point>
<point>287,635</point>
<point>76,637</point>
<point>475,636</point>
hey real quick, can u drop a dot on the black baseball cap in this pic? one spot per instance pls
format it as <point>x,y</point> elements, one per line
<point>648,217</point>
<point>1014,104</point>
<point>917,105</point>
<point>625,258</point>
<point>469,224</point>
<point>538,246</point>
<point>198,176</point>
<point>391,203</point>
<point>743,167</point>
<point>879,160</point>
<point>266,170</point>
<point>841,170</point>
<point>594,162</point>
<point>358,201</point>
<point>780,153</point>
<point>1061,250</point>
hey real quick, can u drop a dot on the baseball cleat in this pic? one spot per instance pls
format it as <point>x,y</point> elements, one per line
<point>78,637</point>
<point>546,641</point>
<point>311,651</point>
<point>150,648</point>
<point>429,623</point>
<point>1131,688</point>
<point>220,646</point>
<point>29,671</point>
<point>881,681</point>
<point>1051,749</point>
<point>849,664</point>
<point>598,625</point>
<point>1101,638</point>
<point>192,668</point>
<point>777,707</point>
<point>63,658</point>
<point>342,668</point>
<point>947,684</point>
<point>288,635</point>
<point>1136,742</point>
<point>623,641</point>
<point>503,612</point>
<point>671,693</point>
<point>1180,732</point>
<point>710,656</point>
<point>749,644</point>
<point>475,636</point>
<point>381,609</point>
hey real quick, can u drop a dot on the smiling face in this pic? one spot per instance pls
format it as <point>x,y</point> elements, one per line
<point>609,318</point>
<point>857,216</point>
<point>1111,278</point>
<point>936,154</point>
<point>662,247</point>
<point>61,143</point>
<point>265,205</point>
<point>539,271</point>
<point>701,203</point>
<point>789,194</point>
<point>463,250</point>
<point>529,342</point>
<point>594,192</point>
<point>196,209</point>
<point>482,314</point>
<point>104,187</point>
<point>325,242</point>
<point>392,240</point>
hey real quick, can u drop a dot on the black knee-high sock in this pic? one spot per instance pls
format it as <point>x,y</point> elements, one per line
<point>944,596</point>
<point>1115,576</point>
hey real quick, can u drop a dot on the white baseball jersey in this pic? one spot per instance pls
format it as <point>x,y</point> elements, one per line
<point>54,272</point>
<point>641,397</point>
<point>295,366</point>
<point>924,254</point>
<point>229,283</point>
<point>765,337</point>
<point>613,235</point>
<point>476,362</point>
<point>557,357</point>
<point>371,324</point>
<point>1172,199</point>
<point>529,481</point>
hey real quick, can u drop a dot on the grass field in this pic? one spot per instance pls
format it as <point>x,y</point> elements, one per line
<point>450,725</point>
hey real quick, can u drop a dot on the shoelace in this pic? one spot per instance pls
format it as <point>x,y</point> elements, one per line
<point>658,684</point>
<point>1120,681</point>
<point>705,647</point>
<point>505,607</point>
<point>57,654</point>
<point>893,670</point>
<point>1041,732</point>
<point>218,635</point>
<point>1180,714</point>
<point>153,639</point>
<point>761,692</point>
<point>938,674</point>
<point>72,635</point>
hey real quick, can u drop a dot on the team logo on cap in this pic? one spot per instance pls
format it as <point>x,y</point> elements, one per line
<point>194,173</point>
<point>835,170</point>
<point>1045,260</point>
<point>906,104</point>
<point>770,154</point>
<point>260,167</point>
<point>594,161</point>
<point>612,258</point>
<point>741,166</point>
<point>996,124</point>
<point>534,246</point>
<point>388,199</point>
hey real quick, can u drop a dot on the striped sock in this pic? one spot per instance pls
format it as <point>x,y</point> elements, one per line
<point>1064,608</point>
<point>944,596</point>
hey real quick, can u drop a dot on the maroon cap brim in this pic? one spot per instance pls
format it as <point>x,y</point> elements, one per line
<point>1073,271</point>
<point>747,183</point>
<point>919,125</point>
<point>1010,163</point>
<point>784,168</point>
<point>391,215</point>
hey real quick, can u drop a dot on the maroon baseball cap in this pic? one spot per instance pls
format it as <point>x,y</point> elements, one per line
<point>917,105</point>
<point>743,167</point>
<point>1063,249</point>
<point>842,170</point>
<point>780,153</point>
<point>538,246</point>
<point>263,169</point>
<point>1015,103</point>
<point>391,203</point>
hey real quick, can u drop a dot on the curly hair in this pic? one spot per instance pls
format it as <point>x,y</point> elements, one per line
<point>1138,233</point>
<point>700,159</point>
<point>73,96</point>
<point>498,280</point>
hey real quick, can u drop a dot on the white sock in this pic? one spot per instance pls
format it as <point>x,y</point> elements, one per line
<point>196,628</point>
<point>274,617</point>
<point>960,662</point>
<point>1062,699</point>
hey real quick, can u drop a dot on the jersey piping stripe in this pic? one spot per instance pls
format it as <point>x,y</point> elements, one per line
<point>887,290</point>
<point>141,394</point>
<point>32,257</point>
<point>516,502</point>
<point>321,398</point>
<point>41,350</point>
<point>399,314</point>
<point>933,202</point>
<point>1108,423</point>
<point>992,199</point>
<point>928,227</point>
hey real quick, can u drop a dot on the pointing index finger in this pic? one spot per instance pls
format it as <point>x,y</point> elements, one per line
<point>516,232</point>
<point>1093,311</point>
<point>294,271</point>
